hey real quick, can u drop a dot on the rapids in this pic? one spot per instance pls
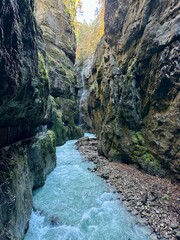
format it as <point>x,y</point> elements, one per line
<point>76,204</point>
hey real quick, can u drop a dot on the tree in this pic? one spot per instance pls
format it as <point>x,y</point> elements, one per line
<point>73,7</point>
<point>88,35</point>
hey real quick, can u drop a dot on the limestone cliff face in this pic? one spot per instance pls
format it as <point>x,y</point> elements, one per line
<point>23,82</point>
<point>25,159</point>
<point>60,44</point>
<point>23,167</point>
<point>83,76</point>
<point>134,88</point>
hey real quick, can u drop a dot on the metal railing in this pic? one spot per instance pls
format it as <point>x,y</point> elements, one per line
<point>11,135</point>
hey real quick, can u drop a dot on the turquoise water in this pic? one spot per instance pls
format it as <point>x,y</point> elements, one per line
<point>75,204</point>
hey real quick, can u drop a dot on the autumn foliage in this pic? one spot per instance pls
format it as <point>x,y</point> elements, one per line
<point>89,34</point>
<point>73,7</point>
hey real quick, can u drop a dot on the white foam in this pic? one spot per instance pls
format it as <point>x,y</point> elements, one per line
<point>82,203</point>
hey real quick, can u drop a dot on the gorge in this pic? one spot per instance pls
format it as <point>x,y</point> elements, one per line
<point>126,92</point>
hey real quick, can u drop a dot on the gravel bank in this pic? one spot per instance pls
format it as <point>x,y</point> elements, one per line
<point>155,201</point>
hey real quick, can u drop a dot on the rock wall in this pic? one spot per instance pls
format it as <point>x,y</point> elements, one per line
<point>83,70</point>
<point>23,167</point>
<point>134,87</point>
<point>25,107</point>
<point>60,42</point>
<point>23,82</point>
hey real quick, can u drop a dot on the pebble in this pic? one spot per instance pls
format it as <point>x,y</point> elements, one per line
<point>142,222</point>
<point>178,234</point>
<point>134,212</point>
<point>7,148</point>
<point>95,161</point>
<point>105,176</point>
<point>153,237</point>
<point>174,226</point>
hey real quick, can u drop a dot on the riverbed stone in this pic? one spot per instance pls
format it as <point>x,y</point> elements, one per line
<point>153,237</point>
<point>178,234</point>
<point>174,225</point>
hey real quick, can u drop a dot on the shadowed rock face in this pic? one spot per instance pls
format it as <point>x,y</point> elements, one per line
<point>23,83</point>
<point>60,44</point>
<point>83,76</point>
<point>23,167</point>
<point>134,97</point>
<point>24,106</point>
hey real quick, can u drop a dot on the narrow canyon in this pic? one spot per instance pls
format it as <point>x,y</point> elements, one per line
<point>125,93</point>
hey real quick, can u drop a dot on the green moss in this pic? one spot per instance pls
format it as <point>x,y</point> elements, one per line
<point>165,197</point>
<point>140,138</point>
<point>100,71</point>
<point>42,71</point>
<point>150,164</point>
<point>47,143</point>
<point>131,72</point>
<point>57,126</point>
<point>52,138</point>
<point>141,155</point>
<point>59,61</point>
<point>62,110</point>
<point>115,154</point>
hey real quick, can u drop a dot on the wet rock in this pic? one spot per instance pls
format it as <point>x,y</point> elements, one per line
<point>178,234</point>
<point>153,237</point>
<point>174,225</point>
<point>54,221</point>
<point>95,161</point>
<point>23,168</point>
<point>84,73</point>
<point>41,158</point>
<point>105,174</point>
<point>134,212</point>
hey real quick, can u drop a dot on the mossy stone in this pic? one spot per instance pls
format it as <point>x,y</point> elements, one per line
<point>139,154</point>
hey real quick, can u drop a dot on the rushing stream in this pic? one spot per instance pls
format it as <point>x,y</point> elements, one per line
<point>75,204</point>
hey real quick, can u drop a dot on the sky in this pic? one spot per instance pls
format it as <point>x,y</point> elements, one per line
<point>88,9</point>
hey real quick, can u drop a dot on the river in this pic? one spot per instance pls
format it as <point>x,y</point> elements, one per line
<point>76,204</point>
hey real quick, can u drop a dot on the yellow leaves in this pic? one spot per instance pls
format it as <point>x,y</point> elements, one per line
<point>73,6</point>
<point>88,35</point>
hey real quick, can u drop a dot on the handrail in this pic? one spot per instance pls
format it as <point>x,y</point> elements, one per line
<point>9,135</point>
